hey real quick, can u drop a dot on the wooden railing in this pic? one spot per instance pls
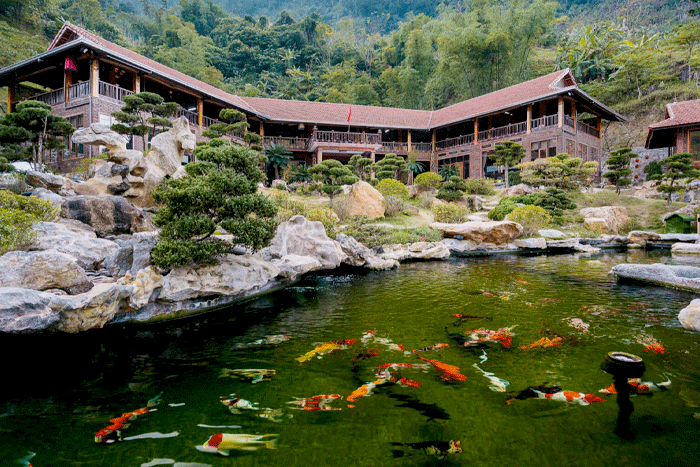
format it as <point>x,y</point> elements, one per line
<point>503,131</point>
<point>110,91</point>
<point>588,129</point>
<point>453,142</point>
<point>208,121</point>
<point>393,147</point>
<point>291,143</point>
<point>422,147</point>
<point>191,117</point>
<point>569,121</point>
<point>342,137</point>
<point>78,91</point>
<point>544,122</point>
<point>52,97</point>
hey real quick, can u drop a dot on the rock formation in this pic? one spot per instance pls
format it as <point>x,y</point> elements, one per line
<point>364,200</point>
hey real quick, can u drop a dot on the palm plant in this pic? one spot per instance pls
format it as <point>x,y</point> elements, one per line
<point>447,171</point>
<point>278,157</point>
<point>300,173</point>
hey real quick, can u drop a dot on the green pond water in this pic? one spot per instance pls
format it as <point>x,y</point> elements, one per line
<point>59,390</point>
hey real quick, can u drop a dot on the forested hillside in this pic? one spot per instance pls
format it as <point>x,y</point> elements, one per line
<point>634,55</point>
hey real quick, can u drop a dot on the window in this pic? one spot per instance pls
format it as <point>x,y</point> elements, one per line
<point>694,147</point>
<point>542,149</point>
<point>76,120</point>
<point>571,147</point>
<point>583,151</point>
<point>594,154</point>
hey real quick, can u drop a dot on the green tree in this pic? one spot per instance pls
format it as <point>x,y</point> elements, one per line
<point>452,189</point>
<point>300,173</point>
<point>234,124</point>
<point>562,171</point>
<point>361,166</point>
<point>220,189</point>
<point>278,157</point>
<point>508,153</point>
<point>447,171</point>
<point>687,39</point>
<point>33,124</point>
<point>333,175</point>
<point>619,168</point>
<point>144,114</point>
<point>390,166</point>
<point>678,169</point>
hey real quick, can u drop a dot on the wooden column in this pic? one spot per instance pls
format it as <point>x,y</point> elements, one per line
<point>137,83</point>
<point>476,132</point>
<point>434,141</point>
<point>262,129</point>
<point>529,119</point>
<point>95,78</point>
<point>67,83</point>
<point>597,125</point>
<point>408,140</point>
<point>319,156</point>
<point>200,112</point>
<point>10,97</point>
<point>573,114</point>
<point>560,113</point>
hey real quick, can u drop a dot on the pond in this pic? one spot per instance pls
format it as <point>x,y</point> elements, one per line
<point>60,390</point>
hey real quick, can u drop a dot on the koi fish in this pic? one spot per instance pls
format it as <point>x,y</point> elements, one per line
<point>367,336</point>
<point>461,316</point>
<point>224,443</point>
<point>316,402</point>
<point>504,336</point>
<point>26,459</point>
<point>497,384</point>
<point>254,375</point>
<point>371,336</point>
<point>651,344</point>
<point>550,300</point>
<point>557,394</point>
<point>112,433</point>
<point>524,282</point>
<point>364,390</point>
<point>641,387</point>
<point>365,355</point>
<point>268,340</point>
<point>577,324</point>
<point>489,294</point>
<point>532,392</point>
<point>544,342</point>
<point>411,366</point>
<point>433,448</point>
<point>447,372</point>
<point>431,347</point>
<point>235,404</point>
<point>326,348</point>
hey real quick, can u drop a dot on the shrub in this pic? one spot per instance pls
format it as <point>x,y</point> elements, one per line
<point>17,215</point>
<point>393,205</point>
<point>450,213</point>
<point>39,209</point>
<point>452,189</point>
<point>326,217</point>
<point>478,187</point>
<point>532,218</point>
<point>428,179</point>
<point>391,187</point>
<point>374,236</point>
<point>505,206</point>
<point>554,200</point>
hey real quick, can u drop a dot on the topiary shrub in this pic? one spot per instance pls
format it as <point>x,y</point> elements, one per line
<point>505,206</point>
<point>428,179</point>
<point>554,200</point>
<point>391,187</point>
<point>532,218</point>
<point>478,186</point>
<point>449,213</point>
<point>452,189</point>
<point>17,215</point>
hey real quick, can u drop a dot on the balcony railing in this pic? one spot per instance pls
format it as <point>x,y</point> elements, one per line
<point>453,142</point>
<point>191,117</point>
<point>290,143</point>
<point>79,91</point>
<point>569,121</point>
<point>393,147</point>
<point>342,137</point>
<point>503,131</point>
<point>110,91</point>
<point>544,122</point>
<point>208,121</point>
<point>52,97</point>
<point>588,129</point>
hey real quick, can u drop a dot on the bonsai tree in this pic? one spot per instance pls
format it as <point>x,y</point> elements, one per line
<point>361,166</point>
<point>561,171</point>
<point>234,123</point>
<point>278,157</point>
<point>333,175</point>
<point>618,168</point>
<point>452,189</point>
<point>144,114</point>
<point>391,166</point>
<point>677,168</point>
<point>508,154</point>
<point>220,189</point>
<point>33,125</point>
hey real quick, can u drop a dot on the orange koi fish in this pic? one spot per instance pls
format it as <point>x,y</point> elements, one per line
<point>504,336</point>
<point>550,300</point>
<point>524,283</point>
<point>316,402</point>
<point>544,342</point>
<point>641,387</point>
<point>572,397</point>
<point>655,347</point>
<point>364,390</point>
<point>447,372</point>
<point>112,433</point>
<point>489,294</point>
<point>461,316</point>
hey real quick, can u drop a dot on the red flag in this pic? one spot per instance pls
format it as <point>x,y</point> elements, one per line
<point>349,113</point>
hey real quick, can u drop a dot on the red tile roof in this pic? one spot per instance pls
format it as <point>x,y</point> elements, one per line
<point>279,110</point>
<point>680,114</point>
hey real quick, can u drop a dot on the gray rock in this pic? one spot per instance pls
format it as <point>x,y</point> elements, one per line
<point>415,251</point>
<point>42,270</point>
<point>119,262</point>
<point>143,245</point>
<point>293,266</point>
<point>500,232</point>
<point>75,239</point>
<point>551,233</point>
<point>680,277</point>
<point>94,308</point>
<point>25,310</point>
<point>100,134</point>
<point>299,236</point>
<point>538,243</point>
<point>120,170</point>
<point>685,249</point>
<point>48,181</point>
<point>43,193</point>
<point>357,253</point>
<point>108,215</point>
<point>379,263</point>
<point>690,316</point>
<point>459,247</point>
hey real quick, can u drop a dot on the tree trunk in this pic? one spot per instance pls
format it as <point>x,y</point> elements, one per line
<point>507,176</point>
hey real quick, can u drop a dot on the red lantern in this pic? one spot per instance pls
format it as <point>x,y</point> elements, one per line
<point>636,166</point>
<point>636,160</point>
<point>636,176</point>
<point>646,157</point>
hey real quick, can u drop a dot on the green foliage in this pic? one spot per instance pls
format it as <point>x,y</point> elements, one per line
<point>17,216</point>
<point>447,171</point>
<point>450,213</point>
<point>391,187</point>
<point>218,190</point>
<point>554,200</point>
<point>361,166</point>
<point>390,166</point>
<point>618,164</point>
<point>278,157</point>
<point>374,236</point>
<point>428,179</point>
<point>678,171</point>
<point>653,168</point>
<point>508,154</point>
<point>532,218</point>
<point>326,217</point>
<point>479,186</point>
<point>561,171</point>
<point>505,207</point>
<point>5,166</point>
<point>452,189</point>
<point>144,114</point>
<point>333,175</point>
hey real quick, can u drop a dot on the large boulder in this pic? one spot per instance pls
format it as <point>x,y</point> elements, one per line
<point>25,310</point>
<point>356,253</point>
<point>299,236</point>
<point>365,200</point>
<point>94,308</point>
<point>108,215</point>
<point>231,275</point>
<point>292,266</point>
<point>496,232</point>
<point>47,181</point>
<point>520,189</point>
<point>609,219</point>
<point>43,270</point>
<point>685,249</point>
<point>167,148</point>
<point>415,251</point>
<point>680,277</point>
<point>100,134</point>
<point>641,237</point>
<point>147,280</point>
<point>690,316</point>
<point>75,239</point>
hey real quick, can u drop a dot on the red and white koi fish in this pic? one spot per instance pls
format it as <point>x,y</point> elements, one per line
<point>577,324</point>
<point>368,335</point>
<point>497,384</point>
<point>431,347</point>
<point>112,433</point>
<point>447,372</point>
<point>371,336</point>
<point>544,342</point>
<point>570,397</point>
<point>316,402</point>
<point>255,375</point>
<point>224,443</point>
<point>641,387</point>
<point>235,404</point>
<point>503,336</point>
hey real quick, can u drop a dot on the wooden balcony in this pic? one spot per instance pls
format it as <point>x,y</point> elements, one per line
<point>503,131</point>
<point>345,140</point>
<point>289,143</point>
<point>588,129</point>
<point>112,92</point>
